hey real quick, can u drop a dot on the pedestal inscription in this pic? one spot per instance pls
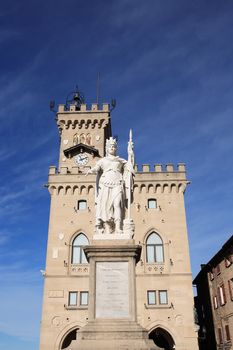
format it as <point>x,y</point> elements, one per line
<point>112,290</point>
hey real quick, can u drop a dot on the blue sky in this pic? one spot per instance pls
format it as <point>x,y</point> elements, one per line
<point>168,64</point>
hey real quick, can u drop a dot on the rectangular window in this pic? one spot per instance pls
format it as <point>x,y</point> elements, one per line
<point>163,297</point>
<point>228,261</point>
<point>72,299</point>
<point>151,297</point>
<point>83,298</point>
<point>230,285</point>
<point>222,295</point>
<point>217,269</point>
<point>211,275</point>
<point>220,335</point>
<point>215,299</point>
<point>152,204</point>
<point>227,330</point>
<point>82,205</point>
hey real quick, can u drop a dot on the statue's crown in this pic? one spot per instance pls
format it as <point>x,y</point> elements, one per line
<point>111,141</point>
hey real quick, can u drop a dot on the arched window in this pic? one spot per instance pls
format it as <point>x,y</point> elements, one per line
<point>154,248</point>
<point>78,256</point>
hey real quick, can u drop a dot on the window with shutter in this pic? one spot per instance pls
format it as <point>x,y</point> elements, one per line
<point>230,285</point>
<point>227,330</point>
<point>220,335</point>
<point>215,300</point>
<point>222,295</point>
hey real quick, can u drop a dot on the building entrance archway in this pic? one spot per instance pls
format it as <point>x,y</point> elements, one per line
<point>68,338</point>
<point>162,338</point>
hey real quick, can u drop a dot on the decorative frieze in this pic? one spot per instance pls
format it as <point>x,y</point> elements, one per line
<point>79,270</point>
<point>138,188</point>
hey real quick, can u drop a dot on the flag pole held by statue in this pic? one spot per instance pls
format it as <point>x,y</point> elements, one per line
<point>129,224</point>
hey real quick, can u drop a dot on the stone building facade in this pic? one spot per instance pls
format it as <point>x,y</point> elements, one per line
<point>214,301</point>
<point>163,276</point>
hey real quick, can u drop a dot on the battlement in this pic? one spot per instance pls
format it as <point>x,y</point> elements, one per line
<point>84,108</point>
<point>146,168</point>
<point>159,168</point>
<point>157,173</point>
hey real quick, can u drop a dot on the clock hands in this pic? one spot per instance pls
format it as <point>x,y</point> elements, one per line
<point>82,158</point>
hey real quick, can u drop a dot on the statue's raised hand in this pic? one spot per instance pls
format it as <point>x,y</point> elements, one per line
<point>88,172</point>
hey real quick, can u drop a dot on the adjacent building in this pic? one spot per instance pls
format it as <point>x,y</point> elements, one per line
<point>214,301</point>
<point>163,276</point>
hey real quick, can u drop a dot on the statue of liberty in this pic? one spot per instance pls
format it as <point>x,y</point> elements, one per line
<point>113,187</point>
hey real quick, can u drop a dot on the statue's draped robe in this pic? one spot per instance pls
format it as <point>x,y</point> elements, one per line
<point>112,174</point>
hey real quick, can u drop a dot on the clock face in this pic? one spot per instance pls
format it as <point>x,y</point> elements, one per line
<point>81,159</point>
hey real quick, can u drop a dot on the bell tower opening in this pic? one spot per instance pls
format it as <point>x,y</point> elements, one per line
<point>162,339</point>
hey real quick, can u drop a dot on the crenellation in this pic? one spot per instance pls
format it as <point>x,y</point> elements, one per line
<point>94,106</point>
<point>169,167</point>
<point>72,108</point>
<point>158,168</point>
<point>52,170</point>
<point>145,174</point>
<point>75,170</point>
<point>83,107</point>
<point>61,108</point>
<point>145,168</point>
<point>106,107</point>
<point>63,170</point>
<point>181,167</point>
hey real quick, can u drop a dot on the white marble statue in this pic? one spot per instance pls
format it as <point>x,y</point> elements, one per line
<point>113,188</point>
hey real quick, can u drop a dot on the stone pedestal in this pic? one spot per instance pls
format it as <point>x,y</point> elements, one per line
<point>112,317</point>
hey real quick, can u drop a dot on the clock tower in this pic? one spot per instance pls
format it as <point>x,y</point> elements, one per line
<point>83,133</point>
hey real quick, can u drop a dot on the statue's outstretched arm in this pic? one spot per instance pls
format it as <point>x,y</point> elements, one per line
<point>95,170</point>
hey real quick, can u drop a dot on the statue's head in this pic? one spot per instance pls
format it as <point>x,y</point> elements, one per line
<point>111,146</point>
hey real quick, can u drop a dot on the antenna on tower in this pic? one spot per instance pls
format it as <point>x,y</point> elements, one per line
<point>52,105</point>
<point>113,104</point>
<point>98,88</point>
